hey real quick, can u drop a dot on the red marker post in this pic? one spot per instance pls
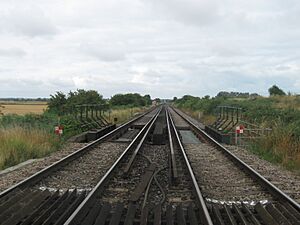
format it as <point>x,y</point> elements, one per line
<point>238,130</point>
<point>58,130</point>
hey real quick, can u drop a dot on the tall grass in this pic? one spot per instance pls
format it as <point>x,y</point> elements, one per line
<point>31,136</point>
<point>18,144</point>
<point>200,116</point>
<point>123,114</point>
<point>281,147</point>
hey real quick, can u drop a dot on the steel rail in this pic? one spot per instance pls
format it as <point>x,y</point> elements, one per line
<point>91,198</point>
<point>275,191</point>
<point>46,171</point>
<point>174,172</point>
<point>129,164</point>
<point>204,214</point>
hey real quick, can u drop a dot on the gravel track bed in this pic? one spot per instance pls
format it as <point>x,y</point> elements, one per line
<point>145,119</point>
<point>120,187</point>
<point>287,181</point>
<point>196,122</point>
<point>219,178</point>
<point>9,179</point>
<point>86,171</point>
<point>158,154</point>
<point>178,121</point>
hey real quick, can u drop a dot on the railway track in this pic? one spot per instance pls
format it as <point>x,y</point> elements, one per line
<point>142,188</point>
<point>171,172</point>
<point>51,195</point>
<point>234,192</point>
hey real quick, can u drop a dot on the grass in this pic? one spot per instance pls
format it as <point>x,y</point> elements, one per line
<point>200,116</point>
<point>280,147</point>
<point>123,114</point>
<point>24,137</point>
<point>18,144</point>
<point>22,108</point>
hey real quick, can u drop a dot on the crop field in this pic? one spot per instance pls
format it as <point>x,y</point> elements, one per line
<point>22,108</point>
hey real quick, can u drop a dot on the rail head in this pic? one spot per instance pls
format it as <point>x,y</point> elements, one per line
<point>204,214</point>
<point>174,172</point>
<point>275,191</point>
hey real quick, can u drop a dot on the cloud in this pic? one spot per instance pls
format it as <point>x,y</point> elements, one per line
<point>164,48</point>
<point>12,52</point>
<point>195,12</point>
<point>103,52</point>
<point>27,20</point>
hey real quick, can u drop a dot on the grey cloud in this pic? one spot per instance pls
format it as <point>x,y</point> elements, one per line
<point>104,53</point>
<point>12,52</point>
<point>28,21</point>
<point>172,48</point>
<point>194,12</point>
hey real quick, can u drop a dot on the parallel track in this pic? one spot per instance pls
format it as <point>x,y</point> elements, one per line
<point>280,209</point>
<point>26,203</point>
<point>153,181</point>
<point>152,195</point>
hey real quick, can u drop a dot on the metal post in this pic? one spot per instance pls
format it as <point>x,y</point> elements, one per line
<point>86,112</point>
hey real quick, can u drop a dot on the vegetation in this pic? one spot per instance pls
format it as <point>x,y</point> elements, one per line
<point>123,114</point>
<point>279,112</point>
<point>130,100</point>
<point>19,144</point>
<point>281,147</point>
<point>22,100</point>
<point>1,108</point>
<point>22,108</point>
<point>61,104</point>
<point>31,135</point>
<point>236,94</point>
<point>274,90</point>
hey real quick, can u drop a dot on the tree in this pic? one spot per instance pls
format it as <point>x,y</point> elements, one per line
<point>57,103</point>
<point>147,99</point>
<point>82,96</point>
<point>275,90</point>
<point>130,99</point>
<point>61,104</point>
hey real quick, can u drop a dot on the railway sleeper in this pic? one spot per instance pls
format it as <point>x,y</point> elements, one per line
<point>39,207</point>
<point>118,214</point>
<point>272,213</point>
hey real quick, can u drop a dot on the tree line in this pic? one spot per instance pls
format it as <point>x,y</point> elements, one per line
<point>61,103</point>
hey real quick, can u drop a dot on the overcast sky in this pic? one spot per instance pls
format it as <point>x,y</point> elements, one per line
<point>162,47</point>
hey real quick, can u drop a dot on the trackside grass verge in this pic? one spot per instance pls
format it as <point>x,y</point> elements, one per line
<point>280,147</point>
<point>18,144</point>
<point>123,114</point>
<point>31,136</point>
